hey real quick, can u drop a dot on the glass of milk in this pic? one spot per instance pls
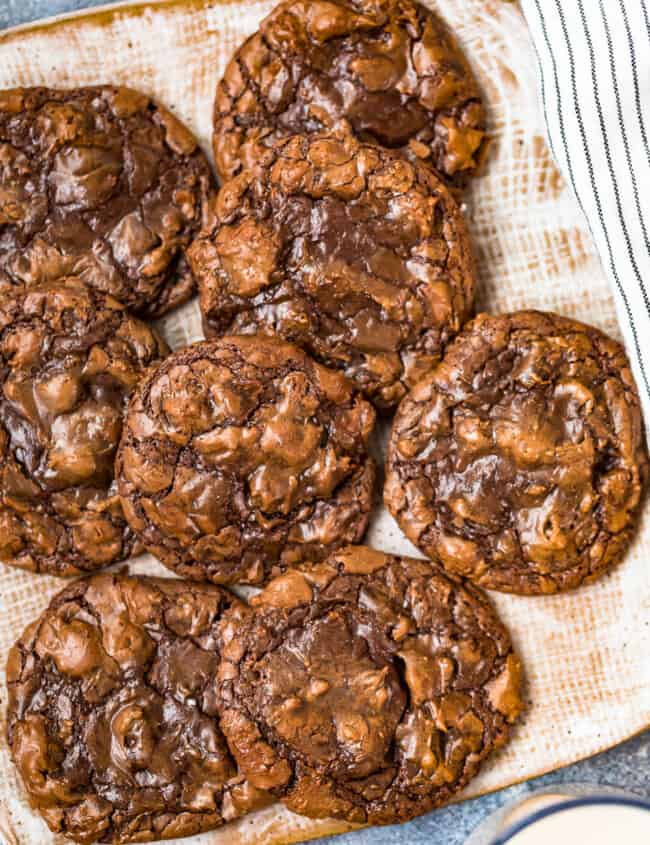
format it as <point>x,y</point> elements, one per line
<point>569,815</point>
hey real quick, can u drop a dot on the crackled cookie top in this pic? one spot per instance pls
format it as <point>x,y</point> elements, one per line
<point>112,718</point>
<point>69,358</point>
<point>241,456</point>
<point>100,183</point>
<point>348,250</point>
<point>520,461</point>
<point>390,68</point>
<point>368,687</point>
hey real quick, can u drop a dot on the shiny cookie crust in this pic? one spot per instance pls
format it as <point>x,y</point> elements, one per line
<point>346,249</point>
<point>112,719</point>
<point>241,457</point>
<point>520,462</point>
<point>369,687</point>
<point>104,184</point>
<point>390,68</point>
<point>70,357</point>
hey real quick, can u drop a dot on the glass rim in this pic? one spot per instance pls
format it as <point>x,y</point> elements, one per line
<point>571,803</point>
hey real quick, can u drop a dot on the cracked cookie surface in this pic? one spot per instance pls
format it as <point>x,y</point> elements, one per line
<point>69,358</point>
<point>242,456</point>
<point>390,68</point>
<point>101,183</point>
<point>112,717</point>
<point>355,254</point>
<point>520,462</point>
<point>368,687</point>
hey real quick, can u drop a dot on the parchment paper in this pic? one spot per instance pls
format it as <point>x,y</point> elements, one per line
<point>586,653</point>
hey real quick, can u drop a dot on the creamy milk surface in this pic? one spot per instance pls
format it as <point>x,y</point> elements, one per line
<point>606,824</point>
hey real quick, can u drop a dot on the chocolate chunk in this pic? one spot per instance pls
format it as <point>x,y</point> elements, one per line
<point>391,69</point>
<point>100,183</point>
<point>520,461</point>
<point>112,718</point>
<point>69,358</point>
<point>368,687</point>
<point>344,248</point>
<point>241,456</point>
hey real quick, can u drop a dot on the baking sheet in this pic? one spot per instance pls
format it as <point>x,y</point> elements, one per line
<point>586,653</point>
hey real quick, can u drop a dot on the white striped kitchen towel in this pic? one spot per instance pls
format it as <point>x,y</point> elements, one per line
<point>594,62</point>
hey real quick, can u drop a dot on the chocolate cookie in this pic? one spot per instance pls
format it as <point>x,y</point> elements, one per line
<point>390,68</point>
<point>243,455</point>
<point>344,248</point>
<point>112,717</point>
<point>368,687</point>
<point>520,461</point>
<point>100,183</point>
<point>69,358</point>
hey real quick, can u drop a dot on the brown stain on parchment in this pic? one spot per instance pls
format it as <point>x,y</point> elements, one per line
<point>535,171</point>
<point>565,251</point>
<point>550,183</point>
<point>105,16</point>
<point>508,76</point>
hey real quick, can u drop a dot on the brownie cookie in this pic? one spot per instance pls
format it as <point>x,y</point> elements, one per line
<point>112,718</point>
<point>344,248</point>
<point>242,456</point>
<point>100,183</point>
<point>69,358</point>
<point>520,461</point>
<point>369,687</point>
<point>390,68</point>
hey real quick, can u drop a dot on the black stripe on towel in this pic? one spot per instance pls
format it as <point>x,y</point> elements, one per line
<point>646,16</point>
<point>626,146</point>
<point>599,206</point>
<point>542,81</point>
<point>635,76</point>
<point>560,116</point>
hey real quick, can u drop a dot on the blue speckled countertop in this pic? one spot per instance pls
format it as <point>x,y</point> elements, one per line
<point>627,766</point>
